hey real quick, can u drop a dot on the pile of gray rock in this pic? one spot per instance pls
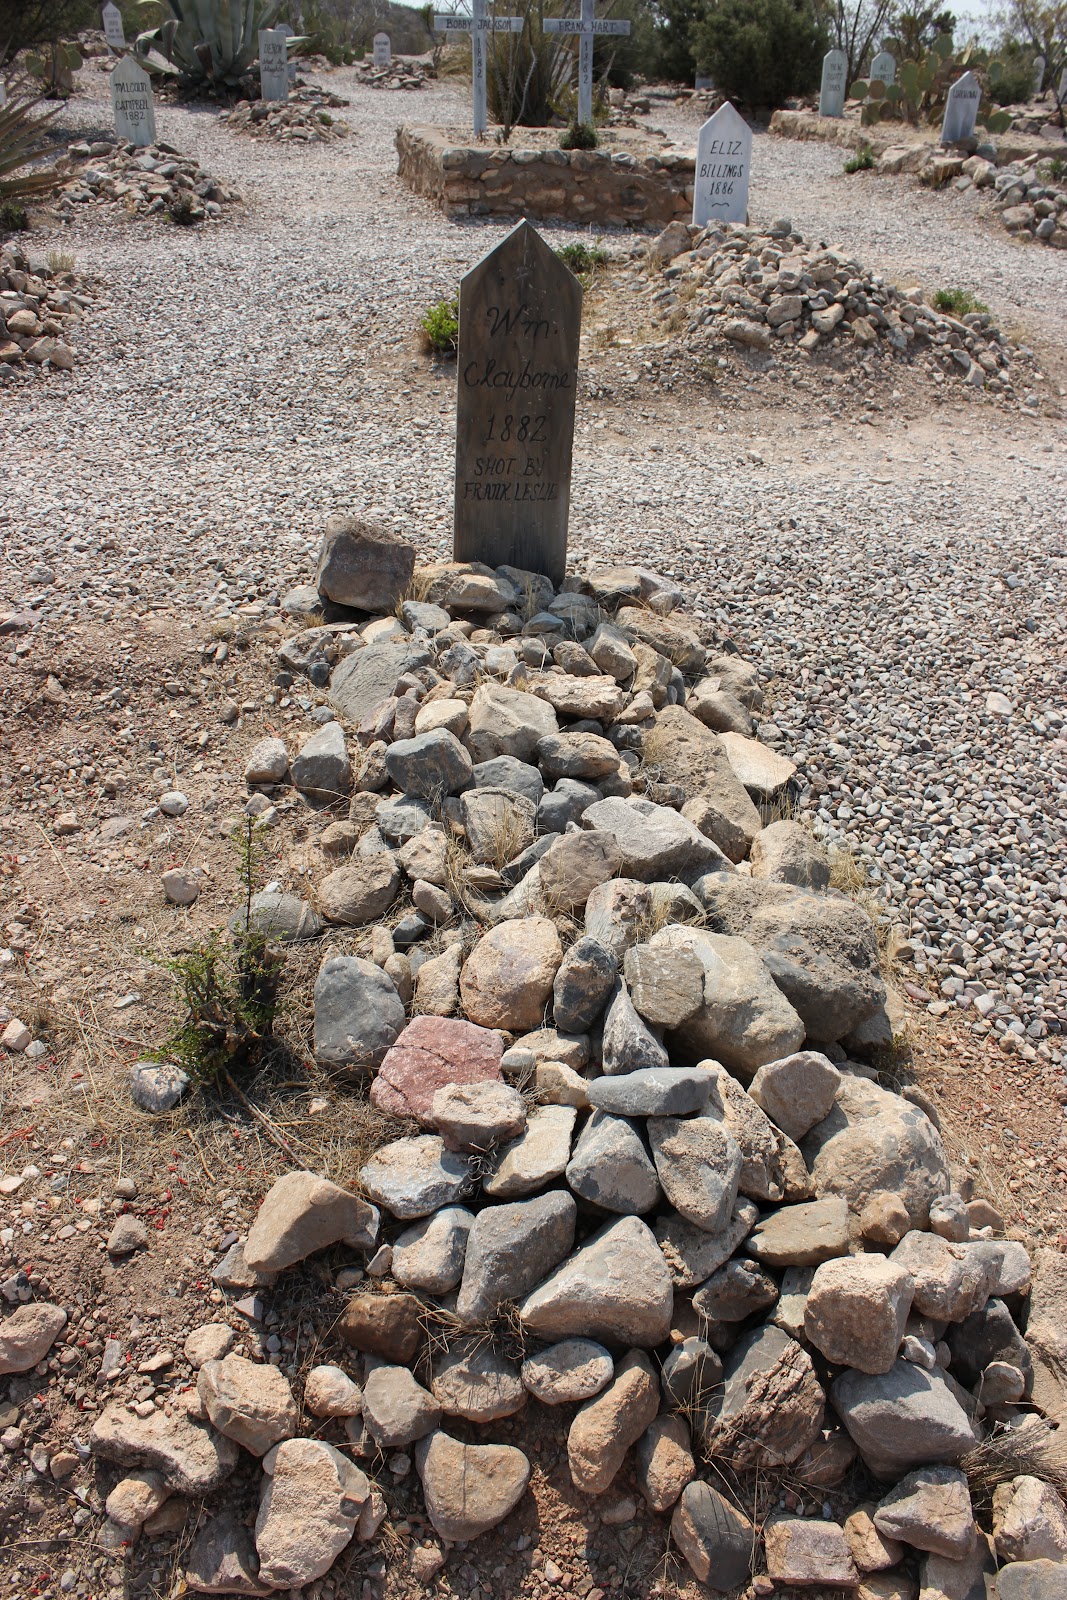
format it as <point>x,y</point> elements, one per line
<point>41,306</point>
<point>399,74</point>
<point>647,1174</point>
<point>1027,198</point>
<point>770,291</point>
<point>292,121</point>
<point>152,181</point>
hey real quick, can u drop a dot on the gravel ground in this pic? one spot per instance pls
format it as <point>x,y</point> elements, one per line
<point>245,381</point>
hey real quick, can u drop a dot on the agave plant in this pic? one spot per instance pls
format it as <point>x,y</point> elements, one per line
<point>22,143</point>
<point>208,43</point>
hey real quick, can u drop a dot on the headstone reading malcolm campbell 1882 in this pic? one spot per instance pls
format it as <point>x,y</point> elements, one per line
<point>961,109</point>
<point>113,33</point>
<point>520,313</point>
<point>383,50</point>
<point>273,64</point>
<point>832,91</point>
<point>131,100</point>
<point>884,68</point>
<point>724,157</point>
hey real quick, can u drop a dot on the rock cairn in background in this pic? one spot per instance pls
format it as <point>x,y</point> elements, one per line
<point>292,121</point>
<point>152,181</point>
<point>648,1176</point>
<point>399,74</point>
<point>1027,198</point>
<point>40,309</point>
<point>769,291</point>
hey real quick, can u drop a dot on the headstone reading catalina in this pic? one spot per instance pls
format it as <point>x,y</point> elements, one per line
<point>273,64</point>
<point>832,90</point>
<point>131,100</point>
<point>383,50</point>
<point>113,31</point>
<point>884,68</point>
<point>961,109</point>
<point>520,313</point>
<point>724,157</point>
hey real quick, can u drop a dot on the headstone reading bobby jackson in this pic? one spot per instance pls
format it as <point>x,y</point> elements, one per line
<point>383,50</point>
<point>479,24</point>
<point>884,68</point>
<point>961,109</point>
<point>273,64</point>
<point>724,157</point>
<point>520,313</point>
<point>832,91</point>
<point>131,100</point>
<point>113,32</point>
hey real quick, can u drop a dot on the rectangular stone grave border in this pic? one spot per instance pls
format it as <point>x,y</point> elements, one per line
<point>610,188</point>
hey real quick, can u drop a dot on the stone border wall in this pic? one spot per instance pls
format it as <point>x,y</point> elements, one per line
<point>613,188</point>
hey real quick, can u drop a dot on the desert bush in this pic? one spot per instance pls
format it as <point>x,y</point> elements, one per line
<point>760,52</point>
<point>958,302</point>
<point>440,327</point>
<point>862,161</point>
<point>578,136</point>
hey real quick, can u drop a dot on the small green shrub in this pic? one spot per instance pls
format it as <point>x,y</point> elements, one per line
<point>958,302</point>
<point>578,136</point>
<point>14,218</point>
<point>229,988</point>
<point>1056,169</point>
<point>862,161</point>
<point>440,327</point>
<point>582,258</point>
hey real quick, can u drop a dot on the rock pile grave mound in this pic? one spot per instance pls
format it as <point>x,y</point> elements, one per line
<point>772,292</point>
<point>41,306</point>
<point>151,181</point>
<point>651,1182</point>
<point>309,122</point>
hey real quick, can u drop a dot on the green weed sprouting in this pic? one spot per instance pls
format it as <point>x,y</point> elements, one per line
<point>228,985</point>
<point>862,161</point>
<point>958,302</point>
<point>440,327</point>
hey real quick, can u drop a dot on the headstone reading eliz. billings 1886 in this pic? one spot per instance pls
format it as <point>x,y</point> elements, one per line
<point>273,64</point>
<point>961,109</point>
<point>724,157</point>
<point>131,100</point>
<point>520,313</point>
<point>832,90</point>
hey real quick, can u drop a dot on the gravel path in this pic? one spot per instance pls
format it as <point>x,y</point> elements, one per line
<point>247,380</point>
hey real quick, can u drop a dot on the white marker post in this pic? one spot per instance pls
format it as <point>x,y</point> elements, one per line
<point>113,30</point>
<point>587,28</point>
<point>477,25</point>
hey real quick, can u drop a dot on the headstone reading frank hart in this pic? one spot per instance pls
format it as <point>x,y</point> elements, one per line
<point>884,68</point>
<point>520,313</point>
<point>724,157</point>
<point>383,50</point>
<point>273,64</point>
<point>832,90</point>
<point>131,100</point>
<point>113,32</point>
<point>961,109</point>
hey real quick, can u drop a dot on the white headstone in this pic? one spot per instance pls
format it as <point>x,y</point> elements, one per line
<point>724,158</point>
<point>884,68</point>
<point>1039,77</point>
<point>961,109</point>
<point>832,90</point>
<point>273,64</point>
<point>290,33</point>
<point>131,99</point>
<point>113,33</point>
<point>1063,87</point>
<point>383,50</point>
<point>3,93</point>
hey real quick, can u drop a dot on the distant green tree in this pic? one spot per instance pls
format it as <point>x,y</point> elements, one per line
<point>760,52</point>
<point>25,24</point>
<point>676,19</point>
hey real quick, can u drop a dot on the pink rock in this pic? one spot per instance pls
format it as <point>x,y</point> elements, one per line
<point>431,1053</point>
